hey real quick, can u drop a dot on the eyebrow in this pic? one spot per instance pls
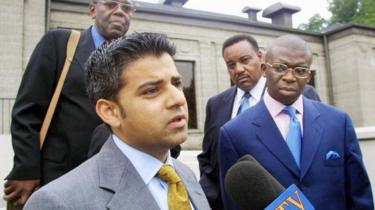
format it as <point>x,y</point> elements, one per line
<point>158,82</point>
<point>247,55</point>
<point>287,63</point>
<point>150,83</point>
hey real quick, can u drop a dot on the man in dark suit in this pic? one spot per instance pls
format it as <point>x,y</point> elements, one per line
<point>69,134</point>
<point>243,58</point>
<point>132,79</point>
<point>298,140</point>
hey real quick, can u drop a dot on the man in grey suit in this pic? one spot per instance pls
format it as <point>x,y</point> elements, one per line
<point>137,92</point>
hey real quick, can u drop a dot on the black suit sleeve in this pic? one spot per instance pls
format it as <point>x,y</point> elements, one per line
<point>34,94</point>
<point>98,138</point>
<point>208,161</point>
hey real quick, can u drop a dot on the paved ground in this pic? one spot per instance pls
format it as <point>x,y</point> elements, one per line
<point>188,157</point>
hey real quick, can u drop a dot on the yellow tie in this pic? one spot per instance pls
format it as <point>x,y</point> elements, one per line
<point>178,198</point>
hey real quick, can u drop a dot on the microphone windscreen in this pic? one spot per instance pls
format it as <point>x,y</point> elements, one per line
<point>251,186</point>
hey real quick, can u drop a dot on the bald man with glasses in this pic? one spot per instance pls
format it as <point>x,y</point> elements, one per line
<point>298,140</point>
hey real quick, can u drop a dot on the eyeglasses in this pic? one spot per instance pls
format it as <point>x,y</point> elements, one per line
<point>127,8</point>
<point>298,71</point>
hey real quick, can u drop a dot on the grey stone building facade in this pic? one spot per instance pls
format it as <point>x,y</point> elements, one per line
<point>344,58</point>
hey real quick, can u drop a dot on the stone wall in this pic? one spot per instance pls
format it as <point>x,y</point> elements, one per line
<point>199,39</point>
<point>11,39</point>
<point>352,55</point>
<point>22,24</point>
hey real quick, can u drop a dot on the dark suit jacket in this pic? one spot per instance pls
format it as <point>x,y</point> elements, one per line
<point>69,134</point>
<point>109,181</point>
<point>100,136</point>
<point>218,112</point>
<point>329,183</point>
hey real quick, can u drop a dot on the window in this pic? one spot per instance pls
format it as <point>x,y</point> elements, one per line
<point>186,69</point>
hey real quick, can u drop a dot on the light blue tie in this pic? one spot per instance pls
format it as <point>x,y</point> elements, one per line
<point>294,136</point>
<point>245,103</point>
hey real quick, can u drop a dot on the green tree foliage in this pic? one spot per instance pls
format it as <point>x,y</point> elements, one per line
<point>344,11</point>
<point>316,23</point>
<point>366,13</point>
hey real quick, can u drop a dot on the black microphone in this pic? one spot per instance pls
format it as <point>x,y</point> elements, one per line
<point>251,186</point>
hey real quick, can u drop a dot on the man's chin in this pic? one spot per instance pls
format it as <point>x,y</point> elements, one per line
<point>245,85</point>
<point>179,139</point>
<point>288,97</point>
<point>114,34</point>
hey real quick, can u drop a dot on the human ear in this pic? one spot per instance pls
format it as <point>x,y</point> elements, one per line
<point>263,68</point>
<point>92,10</point>
<point>309,77</point>
<point>109,112</point>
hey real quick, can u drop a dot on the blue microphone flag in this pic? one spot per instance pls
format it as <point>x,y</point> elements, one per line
<point>291,199</point>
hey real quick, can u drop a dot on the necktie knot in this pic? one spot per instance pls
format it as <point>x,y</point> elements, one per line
<point>244,103</point>
<point>178,198</point>
<point>291,111</point>
<point>246,96</point>
<point>167,174</point>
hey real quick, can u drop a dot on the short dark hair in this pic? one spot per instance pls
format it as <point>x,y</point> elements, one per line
<point>238,38</point>
<point>106,64</point>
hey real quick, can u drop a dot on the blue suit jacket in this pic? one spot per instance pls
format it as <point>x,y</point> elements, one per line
<point>218,112</point>
<point>334,183</point>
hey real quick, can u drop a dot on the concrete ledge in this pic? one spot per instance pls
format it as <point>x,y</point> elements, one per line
<point>365,133</point>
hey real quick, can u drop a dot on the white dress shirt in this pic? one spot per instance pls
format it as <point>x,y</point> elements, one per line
<point>256,94</point>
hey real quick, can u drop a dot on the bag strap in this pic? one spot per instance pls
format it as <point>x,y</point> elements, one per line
<point>70,50</point>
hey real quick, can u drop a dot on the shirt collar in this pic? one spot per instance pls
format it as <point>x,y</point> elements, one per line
<point>146,165</point>
<point>256,92</point>
<point>275,107</point>
<point>97,37</point>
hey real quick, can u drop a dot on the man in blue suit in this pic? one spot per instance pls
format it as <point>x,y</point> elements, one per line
<point>243,58</point>
<point>299,141</point>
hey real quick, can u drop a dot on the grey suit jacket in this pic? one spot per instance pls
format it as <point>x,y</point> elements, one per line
<point>108,181</point>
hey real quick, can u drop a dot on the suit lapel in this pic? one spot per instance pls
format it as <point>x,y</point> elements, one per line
<point>227,104</point>
<point>312,135</point>
<point>270,136</point>
<point>191,186</point>
<point>118,175</point>
<point>84,49</point>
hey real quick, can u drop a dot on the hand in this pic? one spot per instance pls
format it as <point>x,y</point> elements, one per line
<point>18,191</point>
